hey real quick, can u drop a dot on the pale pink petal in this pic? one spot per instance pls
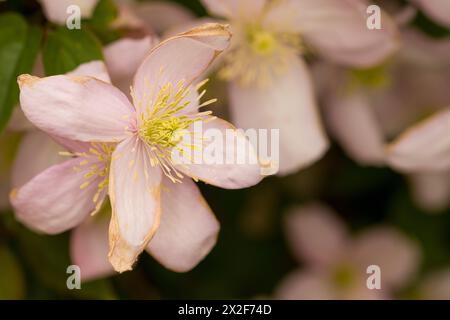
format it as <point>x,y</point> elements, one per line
<point>55,201</point>
<point>179,59</point>
<point>123,58</point>
<point>423,147</point>
<point>162,16</point>
<point>436,9</point>
<point>306,285</point>
<point>95,69</point>
<point>397,256</point>
<point>436,286</point>
<point>431,190</point>
<point>227,162</point>
<point>134,190</point>
<point>288,105</point>
<point>337,29</point>
<point>354,124</point>
<point>76,107</point>
<point>56,11</point>
<point>188,229</point>
<point>236,9</point>
<point>316,234</point>
<point>89,248</point>
<point>36,152</point>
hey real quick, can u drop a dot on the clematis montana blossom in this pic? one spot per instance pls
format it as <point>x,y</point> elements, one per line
<point>378,121</point>
<point>335,264</point>
<point>270,85</point>
<point>56,11</point>
<point>35,206</point>
<point>146,130</point>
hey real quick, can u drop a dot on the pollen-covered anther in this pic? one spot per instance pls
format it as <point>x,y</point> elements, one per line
<point>165,121</point>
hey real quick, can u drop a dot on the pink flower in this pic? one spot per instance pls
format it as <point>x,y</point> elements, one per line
<point>85,175</point>
<point>151,196</point>
<point>336,264</point>
<point>270,85</point>
<point>364,116</point>
<point>56,11</point>
<point>156,17</point>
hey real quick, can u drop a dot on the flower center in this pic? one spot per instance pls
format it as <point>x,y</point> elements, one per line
<point>343,276</point>
<point>164,122</point>
<point>258,55</point>
<point>161,124</point>
<point>262,42</point>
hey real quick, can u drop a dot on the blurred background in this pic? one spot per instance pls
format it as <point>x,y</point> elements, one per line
<point>254,253</point>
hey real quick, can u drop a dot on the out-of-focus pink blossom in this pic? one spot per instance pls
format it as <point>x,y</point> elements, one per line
<point>155,17</point>
<point>367,110</point>
<point>270,85</point>
<point>141,166</point>
<point>335,264</point>
<point>56,11</point>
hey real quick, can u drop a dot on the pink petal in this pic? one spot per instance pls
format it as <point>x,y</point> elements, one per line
<point>56,11</point>
<point>288,105</point>
<point>180,58</point>
<point>431,190</point>
<point>316,235</point>
<point>397,256</point>
<point>305,285</point>
<point>76,107</point>
<point>89,248</point>
<point>354,124</point>
<point>134,190</point>
<point>94,69</point>
<point>231,175</point>
<point>54,201</point>
<point>123,58</point>
<point>188,229</point>
<point>436,9</point>
<point>43,151</point>
<point>423,147</point>
<point>337,29</point>
<point>236,9</point>
<point>162,16</point>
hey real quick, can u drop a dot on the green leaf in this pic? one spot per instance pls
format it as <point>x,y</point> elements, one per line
<point>12,284</point>
<point>19,47</point>
<point>66,49</point>
<point>105,13</point>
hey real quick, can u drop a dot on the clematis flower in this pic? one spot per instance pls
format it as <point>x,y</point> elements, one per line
<point>81,180</point>
<point>146,131</point>
<point>336,264</point>
<point>56,11</point>
<point>155,16</point>
<point>368,110</point>
<point>270,85</point>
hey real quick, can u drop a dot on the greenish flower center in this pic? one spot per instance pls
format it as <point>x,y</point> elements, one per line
<point>161,126</point>
<point>262,42</point>
<point>343,276</point>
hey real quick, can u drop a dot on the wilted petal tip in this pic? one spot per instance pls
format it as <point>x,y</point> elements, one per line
<point>26,79</point>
